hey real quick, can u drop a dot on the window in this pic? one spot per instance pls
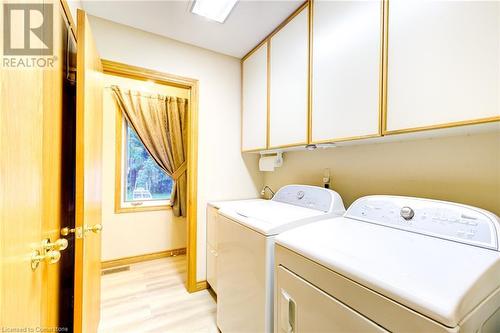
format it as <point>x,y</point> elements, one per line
<point>143,183</point>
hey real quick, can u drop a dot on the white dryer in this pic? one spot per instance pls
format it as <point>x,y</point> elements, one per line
<point>391,263</point>
<point>245,260</point>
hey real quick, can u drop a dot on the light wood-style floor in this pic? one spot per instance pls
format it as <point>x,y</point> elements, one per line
<point>151,297</point>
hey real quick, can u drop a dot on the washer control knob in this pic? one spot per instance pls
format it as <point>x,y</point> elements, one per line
<point>407,213</point>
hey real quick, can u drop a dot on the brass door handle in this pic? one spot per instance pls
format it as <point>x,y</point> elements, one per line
<point>51,257</point>
<point>96,228</point>
<point>58,245</point>
<point>49,252</point>
<point>66,231</point>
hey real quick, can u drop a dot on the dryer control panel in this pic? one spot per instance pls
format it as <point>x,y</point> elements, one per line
<point>311,197</point>
<point>447,220</point>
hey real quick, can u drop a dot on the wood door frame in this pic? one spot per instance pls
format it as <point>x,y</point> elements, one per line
<point>144,74</point>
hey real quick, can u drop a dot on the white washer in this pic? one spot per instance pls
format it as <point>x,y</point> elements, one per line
<point>211,231</point>
<point>391,264</point>
<point>246,252</point>
<point>232,204</point>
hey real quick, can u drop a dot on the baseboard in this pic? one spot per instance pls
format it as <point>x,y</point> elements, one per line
<point>143,257</point>
<point>201,285</point>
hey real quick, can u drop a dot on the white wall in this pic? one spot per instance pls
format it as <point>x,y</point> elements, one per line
<point>222,172</point>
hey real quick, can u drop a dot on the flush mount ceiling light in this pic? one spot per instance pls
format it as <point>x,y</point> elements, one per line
<point>217,10</point>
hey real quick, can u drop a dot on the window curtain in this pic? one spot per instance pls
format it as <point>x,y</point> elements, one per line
<point>161,124</point>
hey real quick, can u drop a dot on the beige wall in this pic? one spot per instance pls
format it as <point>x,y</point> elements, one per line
<point>464,169</point>
<point>222,172</point>
<point>131,234</point>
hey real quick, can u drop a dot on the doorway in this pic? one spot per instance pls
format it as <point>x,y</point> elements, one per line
<point>166,84</point>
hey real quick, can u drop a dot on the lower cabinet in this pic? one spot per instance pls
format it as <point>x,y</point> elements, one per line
<point>212,267</point>
<point>212,213</point>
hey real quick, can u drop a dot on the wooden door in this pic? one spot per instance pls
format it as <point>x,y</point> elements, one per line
<point>31,132</point>
<point>88,181</point>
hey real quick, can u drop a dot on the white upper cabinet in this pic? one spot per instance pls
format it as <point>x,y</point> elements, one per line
<point>254,113</point>
<point>346,69</point>
<point>444,63</point>
<point>376,68</point>
<point>289,73</point>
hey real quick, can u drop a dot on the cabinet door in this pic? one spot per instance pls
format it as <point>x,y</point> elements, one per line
<point>254,113</point>
<point>346,69</point>
<point>212,213</point>
<point>289,71</point>
<point>212,267</point>
<point>444,63</point>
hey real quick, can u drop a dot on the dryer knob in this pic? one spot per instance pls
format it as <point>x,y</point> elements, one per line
<point>407,213</point>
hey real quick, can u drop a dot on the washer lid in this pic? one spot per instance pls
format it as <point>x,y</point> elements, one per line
<point>292,206</point>
<point>272,217</point>
<point>232,204</point>
<point>441,279</point>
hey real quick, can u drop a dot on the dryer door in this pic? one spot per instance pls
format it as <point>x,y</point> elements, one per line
<point>301,307</point>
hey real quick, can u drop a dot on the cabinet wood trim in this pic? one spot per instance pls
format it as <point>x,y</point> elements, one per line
<point>268,100</point>
<point>310,69</point>
<point>349,138</point>
<point>444,125</point>
<point>383,67</point>
<point>288,145</point>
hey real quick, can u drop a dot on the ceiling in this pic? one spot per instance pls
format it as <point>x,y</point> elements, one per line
<point>248,24</point>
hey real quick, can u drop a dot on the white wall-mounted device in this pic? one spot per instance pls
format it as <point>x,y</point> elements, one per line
<point>326,178</point>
